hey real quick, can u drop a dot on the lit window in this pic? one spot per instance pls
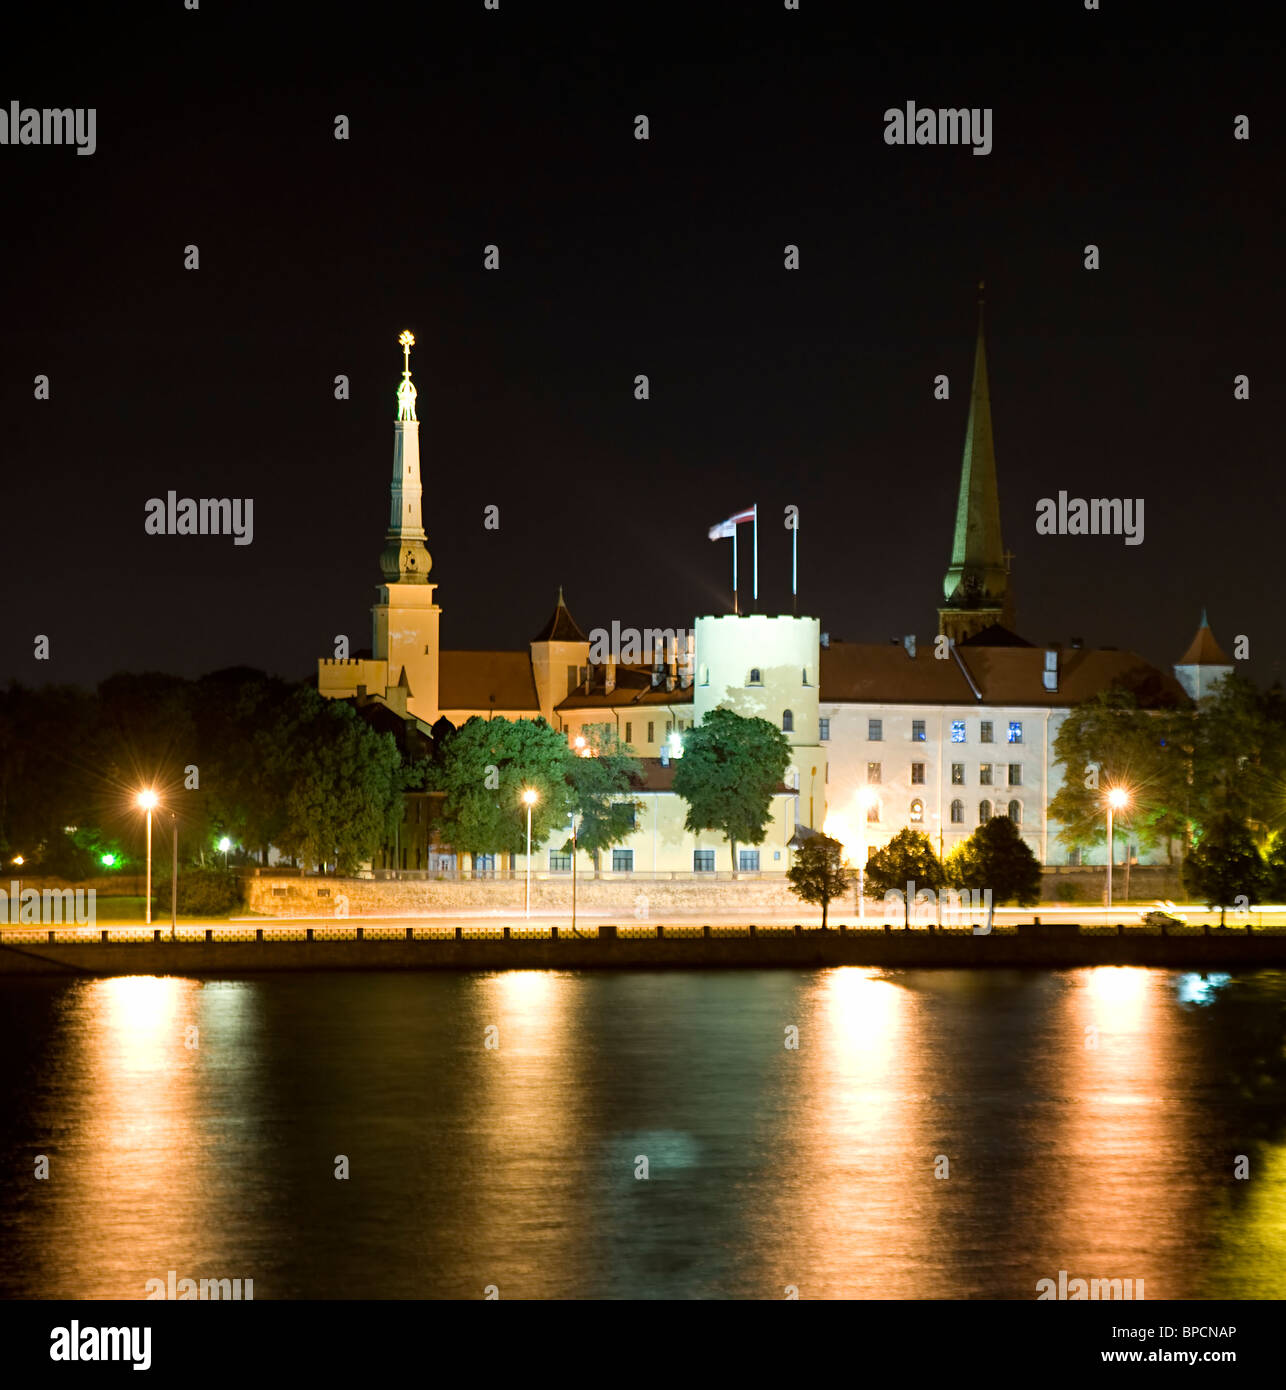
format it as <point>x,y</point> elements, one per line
<point>957,812</point>
<point>787,721</point>
<point>873,813</point>
<point>957,774</point>
<point>917,812</point>
<point>917,731</point>
<point>984,774</point>
<point>917,774</point>
<point>957,731</point>
<point>873,773</point>
<point>823,730</point>
<point>1015,731</point>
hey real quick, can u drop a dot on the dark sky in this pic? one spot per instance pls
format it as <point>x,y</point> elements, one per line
<point>619,257</point>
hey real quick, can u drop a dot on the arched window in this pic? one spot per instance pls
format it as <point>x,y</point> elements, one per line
<point>917,812</point>
<point>788,721</point>
<point>755,677</point>
<point>1016,812</point>
<point>957,813</point>
<point>984,812</point>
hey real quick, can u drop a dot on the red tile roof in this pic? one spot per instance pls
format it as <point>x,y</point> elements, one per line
<point>487,680</point>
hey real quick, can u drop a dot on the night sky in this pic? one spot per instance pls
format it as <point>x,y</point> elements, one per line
<point>618,257</point>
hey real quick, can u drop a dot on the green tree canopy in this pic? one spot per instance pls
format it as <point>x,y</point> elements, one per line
<point>908,858</point>
<point>819,874</point>
<point>601,784</point>
<point>486,765</point>
<point>1225,865</point>
<point>996,859</point>
<point>730,768</point>
<point>1238,749</point>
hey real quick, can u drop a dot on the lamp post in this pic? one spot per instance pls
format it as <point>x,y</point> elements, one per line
<point>1116,798</point>
<point>865,800</point>
<point>225,845</point>
<point>174,876</point>
<point>529,800</point>
<point>574,875</point>
<point>147,800</point>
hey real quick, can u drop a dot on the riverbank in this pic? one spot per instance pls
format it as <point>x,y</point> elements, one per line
<point>680,948</point>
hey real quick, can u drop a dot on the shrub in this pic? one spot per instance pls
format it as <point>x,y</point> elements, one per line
<point>202,893</point>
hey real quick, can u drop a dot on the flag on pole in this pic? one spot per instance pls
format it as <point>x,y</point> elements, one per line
<point>727,530</point>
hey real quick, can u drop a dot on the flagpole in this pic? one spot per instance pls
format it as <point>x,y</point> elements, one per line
<point>734,570</point>
<point>794,565</point>
<point>756,554</point>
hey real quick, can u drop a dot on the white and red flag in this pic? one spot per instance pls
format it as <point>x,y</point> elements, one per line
<point>727,530</point>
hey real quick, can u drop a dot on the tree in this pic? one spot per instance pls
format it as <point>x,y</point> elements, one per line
<point>485,767</point>
<point>1239,755</point>
<point>344,798</point>
<point>1225,866</point>
<point>907,859</point>
<point>730,768</point>
<point>819,874</point>
<point>1274,884</point>
<point>601,782</point>
<point>1112,741</point>
<point>996,858</point>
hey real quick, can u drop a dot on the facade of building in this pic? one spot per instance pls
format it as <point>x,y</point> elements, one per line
<point>938,735</point>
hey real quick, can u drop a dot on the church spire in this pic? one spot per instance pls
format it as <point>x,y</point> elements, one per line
<point>976,586</point>
<point>405,558</point>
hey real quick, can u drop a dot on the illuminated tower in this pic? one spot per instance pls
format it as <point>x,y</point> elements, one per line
<point>405,618</point>
<point>976,586</point>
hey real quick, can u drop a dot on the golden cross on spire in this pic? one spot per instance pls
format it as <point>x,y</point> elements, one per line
<point>407,339</point>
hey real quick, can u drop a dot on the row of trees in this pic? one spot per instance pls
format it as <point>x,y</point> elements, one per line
<point>1184,769</point>
<point>995,859</point>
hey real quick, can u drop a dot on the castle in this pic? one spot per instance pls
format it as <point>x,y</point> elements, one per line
<point>939,736</point>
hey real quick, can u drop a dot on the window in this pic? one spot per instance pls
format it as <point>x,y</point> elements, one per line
<point>1074,857</point>
<point>484,863</point>
<point>873,773</point>
<point>917,731</point>
<point>873,813</point>
<point>804,677</point>
<point>1015,774</point>
<point>917,812</point>
<point>669,727</point>
<point>756,676</point>
<point>957,774</point>
<point>748,861</point>
<point>703,861</point>
<point>788,721</point>
<point>629,732</point>
<point>875,731</point>
<point>1016,812</point>
<point>917,774</point>
<point>823,730</point>
<point>1015,731</point>
<point>985,732</point>
<point>984,812</point>
<point>628,812</point>
<point>957,731</point>
<point>957,813</point>
<point>984,774</point>
<point>622,861</point>
<point>559,863</point>
<point>651,731</point>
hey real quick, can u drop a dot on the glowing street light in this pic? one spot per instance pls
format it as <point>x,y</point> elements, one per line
<point>1116,799</point>
<point>225,845</point>
<point>147,800</point>
<point>866,798</point>
<point>529,798</point>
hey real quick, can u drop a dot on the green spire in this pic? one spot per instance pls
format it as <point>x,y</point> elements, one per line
<point>978,577</point>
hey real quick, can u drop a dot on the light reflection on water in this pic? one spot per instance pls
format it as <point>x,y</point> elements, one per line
<point>952,1134</point>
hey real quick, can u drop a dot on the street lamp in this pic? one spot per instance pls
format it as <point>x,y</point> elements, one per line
<point>866,798</point>
<point>1116,798</point>
<point>225,845</point>
<point>147,800</point>
<point>529,800</point>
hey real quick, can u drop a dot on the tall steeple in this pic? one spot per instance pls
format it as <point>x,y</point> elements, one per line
<point>976,586</point>
<point>405,558</point>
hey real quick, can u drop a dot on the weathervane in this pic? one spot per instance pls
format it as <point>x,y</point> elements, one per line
<point>406,391</point>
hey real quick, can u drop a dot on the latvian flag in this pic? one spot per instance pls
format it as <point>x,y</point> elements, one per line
<point>727,530</point>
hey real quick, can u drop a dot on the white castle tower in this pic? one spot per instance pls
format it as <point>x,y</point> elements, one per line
<point>767,668</point>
